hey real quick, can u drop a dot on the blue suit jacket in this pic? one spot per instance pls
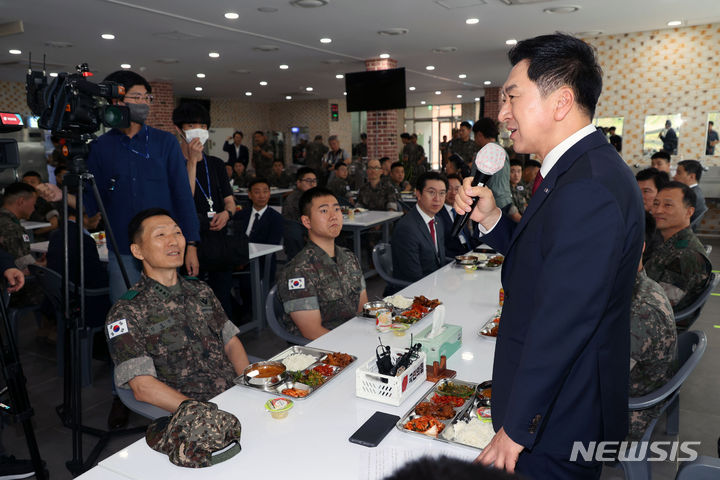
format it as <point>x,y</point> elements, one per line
<point>413,251</point>
<point>453,245</point>
<point>562,356</point>
<point>268,230</point>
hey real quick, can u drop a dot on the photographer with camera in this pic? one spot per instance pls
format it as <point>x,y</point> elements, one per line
<point>137,168</point>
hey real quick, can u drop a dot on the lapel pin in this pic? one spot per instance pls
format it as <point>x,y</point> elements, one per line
<point>547,190</point>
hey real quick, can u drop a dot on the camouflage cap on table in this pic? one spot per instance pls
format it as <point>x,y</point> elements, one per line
<point>194,432</point>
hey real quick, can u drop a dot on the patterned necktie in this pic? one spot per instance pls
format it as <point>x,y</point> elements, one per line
<point>431,223</point>
<point>255,223</point>
<point>538,181</point>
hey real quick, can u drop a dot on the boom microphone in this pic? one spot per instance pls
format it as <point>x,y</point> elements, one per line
<point>489,160</point>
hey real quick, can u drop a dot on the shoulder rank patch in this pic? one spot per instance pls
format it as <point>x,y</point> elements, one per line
<point>682,243</point>
<point>129,295</point>
<point>117,328</point>
<point>188,277</point>
<point>296,283</point>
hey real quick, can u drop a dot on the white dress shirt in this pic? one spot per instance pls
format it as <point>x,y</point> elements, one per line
<point>426,218</point>
<point>252,219</point>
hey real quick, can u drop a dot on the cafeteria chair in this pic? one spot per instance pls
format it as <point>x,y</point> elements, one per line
<point>694,224</point>
<point>51,283</point>
<point>15,313</point>
<point>708,249</point>
<point>702,468</point>
<point>144,409</point>
<point>382,259</point>
<point>687,316</point>
<point>691,347</point>
<point>273,312</point>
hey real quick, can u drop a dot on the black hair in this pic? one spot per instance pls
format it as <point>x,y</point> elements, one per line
<point>692,166</point>
<point>423,179</point>
<point>711,123</point>
<point>279,160</point>
<point>661,154</point>
<point>302,171</point>
<point>135,225</point>
<point>652,173</point>
<point>557,60</point>
<point>190,112</point>
<point>31,173</point>
<point>514,162</point>
<point>455,176</point>
<point>486,126</point>
<point>611,129</point>
<point>339,164</point>
<point>309,195</point>
<point>650,226</point>
<point>689,197</point>
<point>128,79</point>
<point>397,164</point>
<point>363,136</point>
<point>459,164</point>
<point>60,168</point>
<point>466,124</point>
<point>384,159</point>
<point>532,163</point>
<point>17,189</point>
<point>428,468</point>
<point>259,132</point>
<point>257,180</point>
<point>238,132</point>
<point>405,135</point>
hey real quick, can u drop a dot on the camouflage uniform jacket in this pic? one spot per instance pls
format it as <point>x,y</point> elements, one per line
<point>314,153</point>
<point>14,239</point>
<point>681,267</point>
<point>240,181</point>
<point>291,205</point>
<point>314,281</point>
<point>338,186</point>
<point>520,196</point>
<point>176,334</point>
<point>467,150</point>
<point>653,348</point>
<point>380,197</point>
<point>280,181</point>
<point>263,165</point>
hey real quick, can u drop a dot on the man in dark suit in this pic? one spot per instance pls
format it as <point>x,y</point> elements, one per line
<point>237,152</point>
<point>560,372</point>
<point>465,241</point>
<point>689,173</point>
<point>418,242</point>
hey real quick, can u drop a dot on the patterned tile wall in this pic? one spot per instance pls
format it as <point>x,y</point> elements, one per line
<point>13,98</point>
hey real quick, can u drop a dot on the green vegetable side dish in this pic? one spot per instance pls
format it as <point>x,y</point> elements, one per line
<point>455,390</point>
<point>310,378</point>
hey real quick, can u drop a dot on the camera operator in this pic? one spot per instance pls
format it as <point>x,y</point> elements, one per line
<point>137,168</point>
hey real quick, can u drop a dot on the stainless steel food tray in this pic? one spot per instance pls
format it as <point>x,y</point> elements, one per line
<point>319,355</point>
<point>461,413</point>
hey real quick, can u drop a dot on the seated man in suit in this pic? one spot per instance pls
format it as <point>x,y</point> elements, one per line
<point>464,242</point>
<point>653,342</point>
<point>689,173</point>
<point>169,337</point>
<point>322,286</point>
<point>680,265</point>
<point>418,242</point>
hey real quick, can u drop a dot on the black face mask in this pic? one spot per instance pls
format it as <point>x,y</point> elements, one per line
<point>138,112</point>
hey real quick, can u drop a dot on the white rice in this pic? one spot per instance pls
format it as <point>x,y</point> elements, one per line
<point>474,433</point>
<point>399,301</point>
<point>298,361</point>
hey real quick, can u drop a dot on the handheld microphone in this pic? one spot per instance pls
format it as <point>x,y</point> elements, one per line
<point>488,161</point>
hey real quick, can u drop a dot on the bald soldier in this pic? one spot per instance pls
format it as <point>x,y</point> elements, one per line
<point>169,336</point>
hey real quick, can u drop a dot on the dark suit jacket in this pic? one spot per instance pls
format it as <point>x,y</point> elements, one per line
<point>700,206</point>
<point>6,261</point>
<point>233,157</point>
<point>561,361</point>
<point>453,246</point>
<point>269,229</point>
<point>413,252</point>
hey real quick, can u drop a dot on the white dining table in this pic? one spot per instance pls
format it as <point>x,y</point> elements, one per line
<point>312,442</point>
<point>364,221</point>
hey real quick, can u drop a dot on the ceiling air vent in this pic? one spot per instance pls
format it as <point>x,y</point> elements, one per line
<point>523,2</point>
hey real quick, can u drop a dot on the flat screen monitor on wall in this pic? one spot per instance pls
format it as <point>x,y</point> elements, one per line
<point>375,90</point>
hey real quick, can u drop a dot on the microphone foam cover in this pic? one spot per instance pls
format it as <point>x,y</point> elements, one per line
<point>490,159</point>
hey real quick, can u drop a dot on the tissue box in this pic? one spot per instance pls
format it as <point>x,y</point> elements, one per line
<point>447,342</point>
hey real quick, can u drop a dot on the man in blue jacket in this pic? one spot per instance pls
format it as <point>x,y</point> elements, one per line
<point>560,372</point>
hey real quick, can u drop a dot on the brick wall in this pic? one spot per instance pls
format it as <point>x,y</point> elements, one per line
<point>492,102</point>
<point>162,107</point>
<point>382,125</point>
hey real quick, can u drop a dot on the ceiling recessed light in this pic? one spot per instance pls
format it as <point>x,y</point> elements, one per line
<point>248,94</point>
<point>393,31</point>
<point>430,67</point>
<point>308,3</point>
<point>200,75</point>
<point>288,97</point>
<point>384,55</point>
<point>14,52</point>
<point>108,36</point>
<point>284,67</point>
<point>412,89</point>
<point>422,102</point>
<point>213,55</point>
<point>263,83</point>
<point>325,40</point>
<point>267,9</point>
<point>198,89</point>
<point>459,96</point>
<point>512,41</point>
<point>232,16</point>
<point>487,82</point>
<point>674,23</point>
<point>308,89</point>
<point>472,21</point>
<point>477,99</point>
<point>462,75</point>
<point>125,65</point>
<point>53,74</point>
<point>339,76</point>
<point>437,92</point>
<point>345,93</point>
<point>568,9</point>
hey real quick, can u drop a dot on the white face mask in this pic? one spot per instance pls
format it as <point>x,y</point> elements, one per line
<point>200,133</point>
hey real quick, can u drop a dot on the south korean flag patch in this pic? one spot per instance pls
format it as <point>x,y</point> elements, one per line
<point>117,328</point>
<point>296,283</point>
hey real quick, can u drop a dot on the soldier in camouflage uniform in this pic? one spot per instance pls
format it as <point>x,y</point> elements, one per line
<point>169,336</point>
<point>465,146</point>
<point>305,179</point>
<point>377,195</point>
<point>279,177</point>
<point>314,153</point>
<point>519,191</point>
<point>411,158</point>
<point>262,155</point>
<point>323,286</point>
<point>338,182</point>
<point>18,203</point>
<point>680,265</point>
<point>44,210</point>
